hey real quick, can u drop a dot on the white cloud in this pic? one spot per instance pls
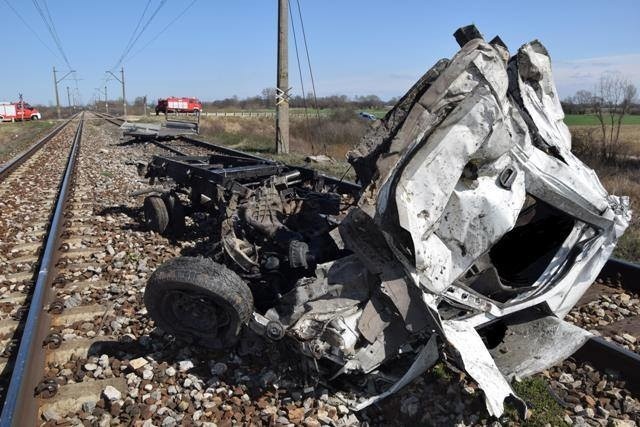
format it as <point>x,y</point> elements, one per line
<point>570,76</point>
<point>577,74</point>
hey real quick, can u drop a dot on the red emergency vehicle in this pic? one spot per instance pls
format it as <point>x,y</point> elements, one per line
<point>12,111</point>
<point>178,105</point>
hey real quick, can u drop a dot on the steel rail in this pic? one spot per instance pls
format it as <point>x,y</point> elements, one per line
<point>7,168</point>
<point>605,355</point>
<point>348,185</point>
<point>111,119</point>
<point>21,406</point>
<point>608,356</point>
<point>602,354</point>
<point>166,147</point>
<point>625,273</point>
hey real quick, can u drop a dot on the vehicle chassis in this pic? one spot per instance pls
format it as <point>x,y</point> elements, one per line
<point>221,183</point>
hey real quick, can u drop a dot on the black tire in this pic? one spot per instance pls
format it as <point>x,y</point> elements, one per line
<point>156,215</point>
<point>177,217</point>
<point>200,298</point>
<point>34,118</point>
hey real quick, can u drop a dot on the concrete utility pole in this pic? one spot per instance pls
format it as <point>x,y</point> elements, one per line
<point>55,85</point>
<point>124,97</point>
<point>68,97</point>
<point>106,103</point>
<point>144,102</point>
<point>282,82</point>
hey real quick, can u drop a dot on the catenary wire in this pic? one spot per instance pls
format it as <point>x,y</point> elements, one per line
<point>165,28</point>
<point>306,48</point>
<point>133,34</point>
<point>26,24</point>
<point>295,43</point>
<point>52,32</point>
<point>144,27</point>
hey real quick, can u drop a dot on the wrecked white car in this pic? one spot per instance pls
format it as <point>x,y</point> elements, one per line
<point>475,231</point>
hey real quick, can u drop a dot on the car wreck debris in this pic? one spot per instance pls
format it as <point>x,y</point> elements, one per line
<point>166,130</point>
<point>473,233</point>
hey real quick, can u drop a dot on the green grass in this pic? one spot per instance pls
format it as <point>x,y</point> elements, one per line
<point>337,169</point>
<point>17,137</point>
<point>251,143</point>
<point>544,409</point>
<point>441,372</point>
<point>628,246</point>
<point>296,110</point>
<point>378,113</point>
<point>592,120</point>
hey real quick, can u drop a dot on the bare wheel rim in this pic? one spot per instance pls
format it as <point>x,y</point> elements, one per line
<point>197,314</point>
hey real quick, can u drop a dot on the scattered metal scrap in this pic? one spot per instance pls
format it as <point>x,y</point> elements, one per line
<point>168,129</point>
<point>474,232</point>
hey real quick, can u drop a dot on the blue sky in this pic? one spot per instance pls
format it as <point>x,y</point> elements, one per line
<point>223,48</point>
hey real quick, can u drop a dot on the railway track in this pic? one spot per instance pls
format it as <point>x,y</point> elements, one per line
<point>79,295</point>
<point>611,349</point>
<point>32,186</point>
<point>616,276</point>
<point>92,355</point>
<point>7,168</point>
<point>109,118</point>
<point>62,316</point>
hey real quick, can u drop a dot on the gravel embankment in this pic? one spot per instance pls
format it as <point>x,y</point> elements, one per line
<point>142,376</point>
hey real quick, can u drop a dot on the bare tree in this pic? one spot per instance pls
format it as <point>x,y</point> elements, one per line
<point>269,97</point>
<point>583,99</point>
<point>613,98</point>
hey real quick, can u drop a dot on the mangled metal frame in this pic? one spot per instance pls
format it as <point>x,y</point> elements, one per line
<point>477,147</point>
<point>473,217</point>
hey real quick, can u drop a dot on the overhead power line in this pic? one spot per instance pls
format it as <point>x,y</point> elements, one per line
<point>295,44</point>
<point>46,9</point>
<point>50,25</point>
<point>165,28</point>
<point>306,48</point>
<point>137,37</point>
<point>26,24</point>
<point>133,34</point>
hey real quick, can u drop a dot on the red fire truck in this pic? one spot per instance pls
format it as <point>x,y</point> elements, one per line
<point>178,105</point>
<point>12,111</point>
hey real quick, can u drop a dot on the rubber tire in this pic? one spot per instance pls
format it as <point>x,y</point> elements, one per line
<point>199,276</point>
<point>177,216</point>
<point>156,215</point>
<point>34,118</point>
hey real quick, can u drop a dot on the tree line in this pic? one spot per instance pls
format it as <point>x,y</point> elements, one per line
<point>267,100</point>
<point>612,98</point>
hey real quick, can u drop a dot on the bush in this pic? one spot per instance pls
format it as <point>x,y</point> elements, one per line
<point>332,136</point>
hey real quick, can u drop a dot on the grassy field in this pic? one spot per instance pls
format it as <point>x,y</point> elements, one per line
<point>333,135</point>
<point>16,137</point>
<point>592,120</point>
